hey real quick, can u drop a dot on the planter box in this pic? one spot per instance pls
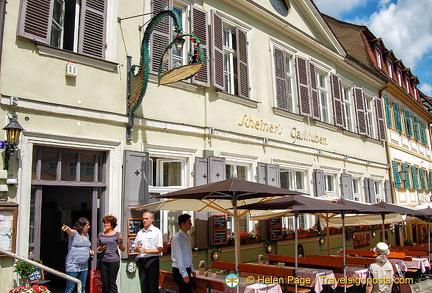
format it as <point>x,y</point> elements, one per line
<point>289,236</point>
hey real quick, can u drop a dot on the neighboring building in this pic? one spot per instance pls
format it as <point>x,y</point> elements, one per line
<point>407,113</point>
<point>277,102</point>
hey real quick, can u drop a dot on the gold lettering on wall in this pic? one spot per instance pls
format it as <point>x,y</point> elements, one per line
<point>305,135</point>
<point>260,125</point>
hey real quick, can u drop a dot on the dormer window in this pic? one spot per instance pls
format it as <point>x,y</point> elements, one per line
<point>378,58</point>
<point>399,77</point>
<point>390,69</point>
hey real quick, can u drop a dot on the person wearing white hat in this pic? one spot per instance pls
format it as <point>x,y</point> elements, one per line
<point>380,273</point>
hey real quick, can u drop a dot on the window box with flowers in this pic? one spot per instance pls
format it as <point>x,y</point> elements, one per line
<point>302,233</point>
<point>288,233</point>
<point>166,249</point>
<point>30,289</point>
<point>312,232</point>
<point>250,237</point>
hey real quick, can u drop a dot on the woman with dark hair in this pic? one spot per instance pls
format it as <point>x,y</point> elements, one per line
<point>108,243</point>
<point>79,252</point>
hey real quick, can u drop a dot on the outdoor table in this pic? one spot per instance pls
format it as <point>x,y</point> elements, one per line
<point>418,263</point>
<point>319,277</point>
<point>244,287</point>
<point>353,273</point>
<point>402,264</point>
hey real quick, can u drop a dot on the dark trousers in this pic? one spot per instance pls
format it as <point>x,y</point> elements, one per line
<point>148,269</point>
<point>109,272</point>
<point>184,287</point>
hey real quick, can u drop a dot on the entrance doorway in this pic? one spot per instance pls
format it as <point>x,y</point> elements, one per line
<point>64,205</point>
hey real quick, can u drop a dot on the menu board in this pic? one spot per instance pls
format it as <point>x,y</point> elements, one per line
<point>275,228</point>
<point>134,225</point>
<point>130,242</point>
<point>276,233</point>
<point>219,230</point>
<point>8,221</point>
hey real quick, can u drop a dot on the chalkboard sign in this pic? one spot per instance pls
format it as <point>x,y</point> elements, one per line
<point>36,275</point>
<point>130,242</point>
<point>219,222</point>
<point>220,237</point>
<point>276,234</point>
<point>134,225</point>
<point>275,222</point>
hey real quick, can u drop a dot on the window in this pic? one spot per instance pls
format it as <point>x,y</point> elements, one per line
<point>330,184</point>
<point>378,191</point>
<point>77,26</point>
<point>177,57</point>
<point>322,91</point>
<point>378,58</point>
<point>399,77</point>
<point>356,189</point>
<point>293,180</point>
<point>283,66</point>
<point>236,171</point>
<point>390,69</point>
<point>348,107</point>
<point>230,61</point>
<point>408,123</point>
<point>230,57</point>
<point>370,116</point>
<point>166,172</point>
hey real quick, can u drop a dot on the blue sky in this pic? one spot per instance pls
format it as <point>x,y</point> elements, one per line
<point>405,26</point>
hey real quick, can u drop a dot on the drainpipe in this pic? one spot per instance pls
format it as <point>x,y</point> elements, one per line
<point>2,21</point>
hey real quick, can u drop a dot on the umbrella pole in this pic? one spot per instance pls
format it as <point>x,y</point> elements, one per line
<point>344,249</point>
<point>383,228</point>
<point>296,224</point>
<point>429,238</point>
<point>328,234</point>
<point>236,238</point>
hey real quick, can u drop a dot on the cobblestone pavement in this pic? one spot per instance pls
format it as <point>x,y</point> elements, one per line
<point>422,286</point>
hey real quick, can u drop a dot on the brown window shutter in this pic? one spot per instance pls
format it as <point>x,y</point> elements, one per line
<point>35,20</point>
<point>380,120</point>
<point>199,27</point>
<point>201,171</point>
<point>92,28</point>
<point>347,186</point>
<point>281,80</point>
<point>337,101</point>
<point>217,171</point>
<point>136,169</point>
<point>161,37</point>
<point>242,63</point>
<point>273,175</point>
<point>318,176</point>
<point>303,86</point>
<point>217,51</point>
<point>361,111</point>
<point>313,92</point>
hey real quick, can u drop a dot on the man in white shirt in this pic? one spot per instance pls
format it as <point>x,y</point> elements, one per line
<point>148,243</point>
<point>181,255</point>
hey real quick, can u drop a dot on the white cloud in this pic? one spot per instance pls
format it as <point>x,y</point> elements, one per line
<point>336,8</point>
<point>426,89</point>
<point>404,28</point>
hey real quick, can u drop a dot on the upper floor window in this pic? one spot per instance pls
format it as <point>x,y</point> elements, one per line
<point>323,96</point>
<point>378,58</point>
<point>235,170</point>
<point>399,77</point>
<point>370,116</point>
<point>77,26</point>
<point>330,184</point>
<point>283,68</point>
<point>348,107</point>
<point>378,191</point>
<point>293,180</point>
<point>356,189</point>
<point>230,57</point>
<point>390,68</point>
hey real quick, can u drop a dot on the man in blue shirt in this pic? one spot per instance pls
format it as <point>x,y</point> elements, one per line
<point>181,255</point>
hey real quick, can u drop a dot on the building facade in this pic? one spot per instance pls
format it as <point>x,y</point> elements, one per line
<point>277,101</point>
